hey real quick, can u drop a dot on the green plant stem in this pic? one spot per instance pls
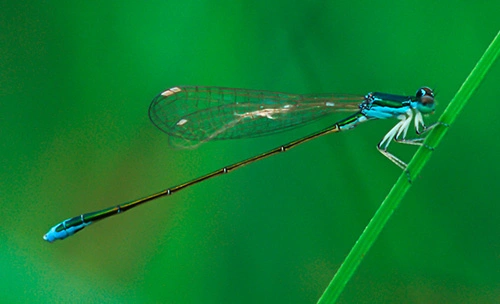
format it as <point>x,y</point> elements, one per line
<point>391,202</point>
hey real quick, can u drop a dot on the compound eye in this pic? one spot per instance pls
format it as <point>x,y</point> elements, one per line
<point>426,95</point>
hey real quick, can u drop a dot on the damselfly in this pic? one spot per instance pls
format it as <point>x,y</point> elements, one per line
<point>193,115</point>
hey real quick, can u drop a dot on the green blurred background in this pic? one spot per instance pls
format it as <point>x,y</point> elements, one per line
<point>76,82</point>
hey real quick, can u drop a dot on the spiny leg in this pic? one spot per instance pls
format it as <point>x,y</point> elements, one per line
<point>401,164</point>
<point>399,129</point>
<point>420,140</point>
<point>413,141</point>
<point>419,122</point>
<point>398,162</point>
<point>398,134</point>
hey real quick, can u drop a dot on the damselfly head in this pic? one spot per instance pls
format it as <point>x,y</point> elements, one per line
<point>425,96</point>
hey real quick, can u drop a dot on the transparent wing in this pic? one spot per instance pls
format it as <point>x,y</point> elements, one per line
<point>194,114</point>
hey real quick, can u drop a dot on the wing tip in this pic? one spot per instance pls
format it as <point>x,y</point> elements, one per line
<point>171,91</point>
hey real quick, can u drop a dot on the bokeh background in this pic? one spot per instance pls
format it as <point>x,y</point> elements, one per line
<point>76,80</point>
